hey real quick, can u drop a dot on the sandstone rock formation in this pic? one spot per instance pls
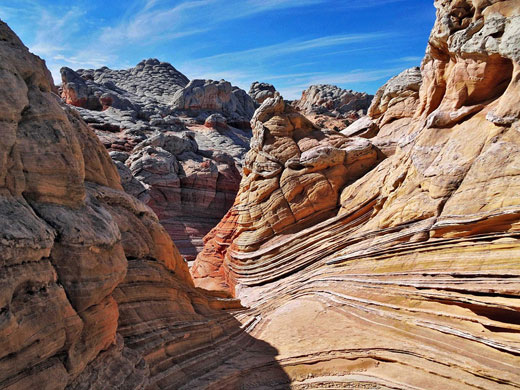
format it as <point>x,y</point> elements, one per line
<point>402,274</point>
<point>332,107</point>
<point>392,110</point>
<point>359,267</point>
<point>170,150</point>
<point>292,178</point>
<point>94,294</point>
<point>261,91</point>
<point>220,96</point>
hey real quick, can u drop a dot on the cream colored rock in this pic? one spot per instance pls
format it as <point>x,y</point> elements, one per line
<point>414,282</point>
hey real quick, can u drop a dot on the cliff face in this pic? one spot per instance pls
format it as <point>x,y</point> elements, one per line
<point>403,274</point>
<point>150,117</point>
<point>94,294</point>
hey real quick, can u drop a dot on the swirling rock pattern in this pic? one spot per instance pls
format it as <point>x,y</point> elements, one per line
<point>292,178</point>
<point>411,280</point>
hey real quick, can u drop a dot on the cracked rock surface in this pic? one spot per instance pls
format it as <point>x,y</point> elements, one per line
<point>178,144</point>
<point>331,106</point>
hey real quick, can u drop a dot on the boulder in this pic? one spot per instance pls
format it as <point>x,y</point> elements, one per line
<point>261,91</point>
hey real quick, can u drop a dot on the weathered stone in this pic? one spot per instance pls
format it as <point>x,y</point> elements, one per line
<point>131,109</point>
<point>261,91</point>
<point>413,282</point>
<point>364,127</point>
<point>220,96</point>
<point>67,233</point>
<point>332,107</point>
<point>292,177</point>
<point>216,121</point>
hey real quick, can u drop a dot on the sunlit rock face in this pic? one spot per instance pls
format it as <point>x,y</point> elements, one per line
<point>170,148</point>
<point>384,259</point>
<point>407,275</point>
<point>93,291</point>
<point>292,179</point>
<point>332,107</point>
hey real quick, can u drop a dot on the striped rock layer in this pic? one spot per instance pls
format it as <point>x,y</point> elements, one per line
<point>390,261</point>
<point>93,293</point>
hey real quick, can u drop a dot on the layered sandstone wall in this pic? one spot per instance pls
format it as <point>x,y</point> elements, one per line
<point>94,294</point>
<point>384,261</point>
<point>407,275</point>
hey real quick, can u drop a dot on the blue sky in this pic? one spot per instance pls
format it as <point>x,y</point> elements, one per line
<point>356,44</point>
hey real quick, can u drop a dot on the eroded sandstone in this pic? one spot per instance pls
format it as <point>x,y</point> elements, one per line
<point>175,142</point>
<point>76,252</point>
<point>411,280</point>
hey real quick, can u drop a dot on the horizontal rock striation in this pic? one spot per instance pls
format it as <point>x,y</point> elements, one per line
<point>409,277</point>
<point>94,294</point>
<point>151,118</point>
<point>292,178</point>
<point>386,261</point>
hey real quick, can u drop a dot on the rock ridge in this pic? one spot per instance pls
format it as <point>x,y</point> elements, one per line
<point>171,151</point>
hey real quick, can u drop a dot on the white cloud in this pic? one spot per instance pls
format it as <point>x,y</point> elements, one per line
<point>415,59</point>
<point>294,46</point>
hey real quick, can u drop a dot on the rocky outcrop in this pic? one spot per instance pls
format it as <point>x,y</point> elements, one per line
<point>393,110</point>
<point>142,92</point>
<point>409,277</point>
<point>359,269</point>
<point>220,96</point>
<point>94,294</point>
<point>189,188</point>
<point>186,171</point>
<point>397,98</point>
<point>292,178</point>
<point>332,107</point>
<point>261,91</point>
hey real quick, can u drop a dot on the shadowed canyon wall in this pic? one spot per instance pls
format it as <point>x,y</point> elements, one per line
<point>94,294</point>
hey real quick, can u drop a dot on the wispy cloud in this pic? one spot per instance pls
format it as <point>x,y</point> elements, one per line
<point>406,59</point>
<point>294,46</point>
<point>159,21</point>
<point>83,34</point>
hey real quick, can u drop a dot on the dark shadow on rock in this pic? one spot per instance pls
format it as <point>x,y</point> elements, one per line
<point>191,338</point>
